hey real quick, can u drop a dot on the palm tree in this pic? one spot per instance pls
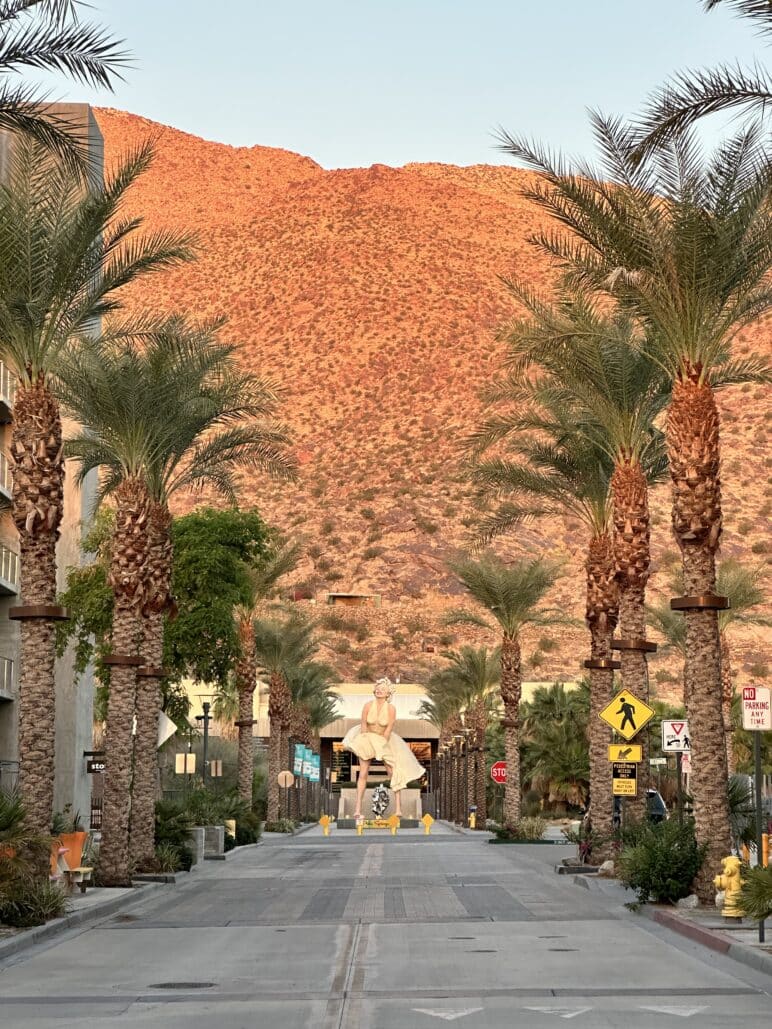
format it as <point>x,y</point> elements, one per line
<point>564,473</point>
<point>693,95</point>
<point>686,245</point>
<point>554,734</point>
<point>281,647</point>
<point>48,35</point>
<point>594,364</point>
<point>469,681</point>
<point>63,257</point>
<point>164,414</point>
<point>263,577</point>
<point>511,596</point>
<point>441,708</point>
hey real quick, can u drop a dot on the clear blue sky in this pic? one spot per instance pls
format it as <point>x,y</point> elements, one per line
<point>355,82</point>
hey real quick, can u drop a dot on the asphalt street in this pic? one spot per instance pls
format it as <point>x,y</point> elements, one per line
<point>379,932</point>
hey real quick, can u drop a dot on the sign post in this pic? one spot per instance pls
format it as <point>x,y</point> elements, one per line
<point>757,717</point>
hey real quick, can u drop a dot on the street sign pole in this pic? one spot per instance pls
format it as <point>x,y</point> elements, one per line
<point>679,787</point>
<point>759,826</point>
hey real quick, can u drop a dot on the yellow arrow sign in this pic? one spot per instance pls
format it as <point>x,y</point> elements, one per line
<point>626,714</point>
<point>625,752</point>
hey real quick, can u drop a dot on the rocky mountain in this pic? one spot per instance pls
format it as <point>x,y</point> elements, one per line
<point>373,296</point>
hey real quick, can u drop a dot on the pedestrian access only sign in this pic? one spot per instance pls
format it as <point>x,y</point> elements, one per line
<point>626,714</point>
<point>675,736</point>
<point>757,709</point>
<point>624,781</point>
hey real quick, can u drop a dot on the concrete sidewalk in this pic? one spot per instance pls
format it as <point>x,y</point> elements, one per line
<point>703,925</point>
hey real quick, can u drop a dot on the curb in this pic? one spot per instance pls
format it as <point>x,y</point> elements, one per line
<point>29,937</point>
<point>711,938</point>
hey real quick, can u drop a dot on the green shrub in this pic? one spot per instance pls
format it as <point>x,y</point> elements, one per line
<point>663,861</point>
<point>247,829</point>
<point>229,842</point>
<point>756,895</point>
<point>167,858</point>
<point>280,825</point>
<point>524,829</point>
<point>29,902</point>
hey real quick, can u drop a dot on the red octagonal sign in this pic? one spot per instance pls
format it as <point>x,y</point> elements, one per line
<point>499,772</point>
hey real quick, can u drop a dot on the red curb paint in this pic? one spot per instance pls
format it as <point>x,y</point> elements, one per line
<point>692,931</point>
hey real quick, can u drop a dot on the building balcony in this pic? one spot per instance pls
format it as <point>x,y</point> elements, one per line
<point>7,392</point>
<point>9,572</point>
<point>6,479</point>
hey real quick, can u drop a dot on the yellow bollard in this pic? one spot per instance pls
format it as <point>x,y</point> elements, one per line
<point>765,849</point>
<point>428,823</point>
<point>394,824</point>
<point>324,821</point>
<point>731,883</point>
<point>473,820</point>
<point>360,828</point>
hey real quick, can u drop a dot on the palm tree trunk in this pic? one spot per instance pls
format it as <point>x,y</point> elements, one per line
<point>127,577</point>
<point>144,790</point>
<point>632,559</point>
<point>727,696</point>
<point>246,754</point>
<point>511,688</point>
<point>480,778</point>
<point>601,615</point>
<point>157,601</point>
<point>38,503</point>
<point>694,457</point>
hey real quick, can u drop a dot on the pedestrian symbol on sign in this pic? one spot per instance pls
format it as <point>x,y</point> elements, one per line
<point>628,711</point>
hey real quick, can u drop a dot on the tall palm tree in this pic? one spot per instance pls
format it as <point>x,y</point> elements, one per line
<point>281,646</point>
<point>441,707</point>
<point>64,255</point>
<point>594,364</point>
<point>564,473</point>
<point>694,94</point>
<point>167,413</point>
<point>263,576</point>
<point>470,681</point>
<point>685,244</point>
<point>48,35</point>
<point>510,596</point>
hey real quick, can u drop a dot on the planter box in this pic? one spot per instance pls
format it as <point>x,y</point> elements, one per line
<point>214,842</point>
<point>196,841</point>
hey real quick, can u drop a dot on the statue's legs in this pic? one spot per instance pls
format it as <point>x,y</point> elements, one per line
<point>397,793</point>
<point>364,770</point>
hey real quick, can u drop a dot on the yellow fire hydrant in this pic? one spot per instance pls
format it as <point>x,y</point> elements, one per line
<point>324,821</point>
<point>428,823</point>
<point>394,822</point>
<point>730,881</point>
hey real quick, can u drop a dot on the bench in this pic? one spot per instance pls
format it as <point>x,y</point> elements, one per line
<point>77,876</point>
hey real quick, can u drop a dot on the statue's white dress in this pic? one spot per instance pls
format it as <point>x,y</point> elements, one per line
<point>394,752</point>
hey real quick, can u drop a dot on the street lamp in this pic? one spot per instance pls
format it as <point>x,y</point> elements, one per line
<point>206,719</point>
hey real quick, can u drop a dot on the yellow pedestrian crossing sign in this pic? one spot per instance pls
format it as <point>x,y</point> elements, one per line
<point>626,714</point>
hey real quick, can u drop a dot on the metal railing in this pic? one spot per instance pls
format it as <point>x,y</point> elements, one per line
<point>9,565</point>
<point>6,675</point>
<point>7,385</point>
<point>9,776</point>
<point>6,478</point>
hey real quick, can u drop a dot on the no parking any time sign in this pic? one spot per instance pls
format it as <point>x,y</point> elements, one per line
<point>757,708</point>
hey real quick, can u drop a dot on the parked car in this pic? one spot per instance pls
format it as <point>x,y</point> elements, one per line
<point>656,808</point>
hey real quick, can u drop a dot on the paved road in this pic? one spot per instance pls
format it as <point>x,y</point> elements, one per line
<point>379,933</point>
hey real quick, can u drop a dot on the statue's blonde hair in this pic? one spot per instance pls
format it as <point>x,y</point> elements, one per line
<point>385,681</point>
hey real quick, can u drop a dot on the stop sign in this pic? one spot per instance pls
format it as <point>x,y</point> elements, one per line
<point>499,772</point>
